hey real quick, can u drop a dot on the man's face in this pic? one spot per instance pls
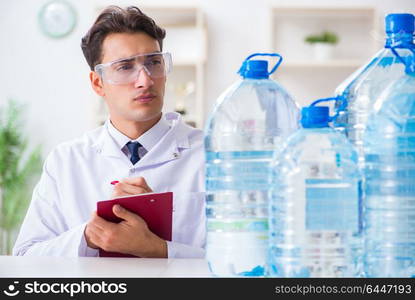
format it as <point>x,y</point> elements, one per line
<point>140,100</point>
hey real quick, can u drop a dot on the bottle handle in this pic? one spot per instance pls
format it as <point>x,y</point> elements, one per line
<point>410,66</point>
<point>337,98</point>
<point>264,54</point>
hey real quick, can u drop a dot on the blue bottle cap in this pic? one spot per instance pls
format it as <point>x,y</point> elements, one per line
<point>255,69</point>
<point>315,116</point>
<point>396,23</point>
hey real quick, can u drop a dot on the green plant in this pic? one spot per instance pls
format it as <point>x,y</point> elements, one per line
<point>324,37</point>
<point>19,170</point>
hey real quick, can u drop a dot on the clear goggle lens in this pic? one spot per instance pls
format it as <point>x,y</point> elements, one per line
<point>127,70</point>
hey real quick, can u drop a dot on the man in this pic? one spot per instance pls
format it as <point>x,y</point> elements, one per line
<point>150,150</point>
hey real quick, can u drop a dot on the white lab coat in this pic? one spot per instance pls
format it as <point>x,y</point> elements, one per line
<point>77,174</point>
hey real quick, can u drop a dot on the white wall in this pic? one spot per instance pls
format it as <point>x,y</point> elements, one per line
<point>51,76</point>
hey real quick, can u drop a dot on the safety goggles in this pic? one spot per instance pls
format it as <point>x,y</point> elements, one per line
<point>126,70</point>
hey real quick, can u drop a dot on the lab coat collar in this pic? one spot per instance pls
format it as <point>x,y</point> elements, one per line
<point>169,147</point>
<point>152,136</point>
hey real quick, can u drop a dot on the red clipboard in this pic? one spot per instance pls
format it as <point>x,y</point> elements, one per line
<point>155,208</point>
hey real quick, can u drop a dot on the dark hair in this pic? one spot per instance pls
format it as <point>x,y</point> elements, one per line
<point>114,19</point>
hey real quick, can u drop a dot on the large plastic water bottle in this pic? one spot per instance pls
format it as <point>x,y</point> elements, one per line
<point>389,143</point>
<point>250,120</point>
<point>363,87</point>
<point>315,208</point>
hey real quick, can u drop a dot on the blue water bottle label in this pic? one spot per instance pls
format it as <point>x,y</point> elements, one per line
<point>332,205</point>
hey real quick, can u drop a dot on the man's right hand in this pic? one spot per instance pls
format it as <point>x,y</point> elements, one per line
<point>131,186</point>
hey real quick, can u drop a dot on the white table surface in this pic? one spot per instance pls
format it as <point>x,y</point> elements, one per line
<point>26,266</point>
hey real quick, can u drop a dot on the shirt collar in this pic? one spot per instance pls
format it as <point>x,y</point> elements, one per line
<point>148,140</point>
<point>176,140</point>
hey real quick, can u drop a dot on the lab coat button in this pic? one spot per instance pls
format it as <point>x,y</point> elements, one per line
<point>175,155</point>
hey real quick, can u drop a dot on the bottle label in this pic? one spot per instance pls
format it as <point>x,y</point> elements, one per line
<point>332,205</point>
<point>250,225</point>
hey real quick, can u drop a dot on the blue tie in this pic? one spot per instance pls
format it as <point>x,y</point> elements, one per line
<point>133,148</point>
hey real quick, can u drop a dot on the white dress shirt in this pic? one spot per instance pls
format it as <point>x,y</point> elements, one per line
<point>77,174</point>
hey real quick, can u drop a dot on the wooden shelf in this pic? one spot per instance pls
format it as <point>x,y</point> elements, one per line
<point>304,76</point>
<point>187,44</point>
<point>323,12</point>
<point>339,63</point>
<point>173,16</point>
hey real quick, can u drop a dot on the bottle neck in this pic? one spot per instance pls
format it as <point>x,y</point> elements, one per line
<point>319,126</point>
<point>399,40</point>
